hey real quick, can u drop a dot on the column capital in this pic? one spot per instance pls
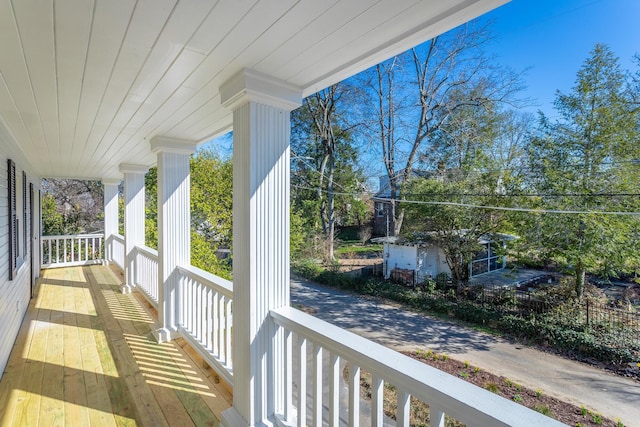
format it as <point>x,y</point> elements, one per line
<point>251,86</point>
<point>161,144</point>
<point>131,168</point>
<point>111,181</point>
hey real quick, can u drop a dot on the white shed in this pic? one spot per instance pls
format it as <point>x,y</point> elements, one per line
<point>415,261</point>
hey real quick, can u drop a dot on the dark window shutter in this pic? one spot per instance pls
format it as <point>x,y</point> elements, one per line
<point>25,216</point>
<point>13,220</point>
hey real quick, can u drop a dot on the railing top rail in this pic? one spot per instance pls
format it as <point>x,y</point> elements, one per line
<point>73,236</point>
<point>118,237</point>
<point>457,398</point>
<point>224,286</point>
<point>150,252</point>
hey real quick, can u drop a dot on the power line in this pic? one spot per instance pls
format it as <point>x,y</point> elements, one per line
<point>474,206</point>
<point>502,208</point>
<point>524,195</point>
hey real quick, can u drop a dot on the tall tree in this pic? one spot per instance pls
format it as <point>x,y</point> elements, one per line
<point>325,168</point>
<point>415,95</point>
<point>581,162</point>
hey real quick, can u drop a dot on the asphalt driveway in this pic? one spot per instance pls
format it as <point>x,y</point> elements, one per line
<point>576,382</point>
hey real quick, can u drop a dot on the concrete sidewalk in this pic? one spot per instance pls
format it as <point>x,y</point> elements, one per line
<point>571,381</point>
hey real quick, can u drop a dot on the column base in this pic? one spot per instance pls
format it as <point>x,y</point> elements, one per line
<point>164,334</point>
<point>126,289</point>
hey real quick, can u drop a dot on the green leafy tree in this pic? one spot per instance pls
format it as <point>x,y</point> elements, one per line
<point>211,211</point>
<point>442,220</point>
<point>583,161</point>
<point>53,223</point>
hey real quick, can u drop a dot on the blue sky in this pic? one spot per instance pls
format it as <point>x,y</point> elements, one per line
<point>554,37</point>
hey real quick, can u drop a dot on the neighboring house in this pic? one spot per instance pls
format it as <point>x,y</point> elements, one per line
<point>417,260</point>
<point>383,221</point>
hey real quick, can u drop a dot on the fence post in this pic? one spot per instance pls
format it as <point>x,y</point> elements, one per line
<point>587,299</point>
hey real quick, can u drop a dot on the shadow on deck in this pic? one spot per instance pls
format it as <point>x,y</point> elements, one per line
<point>85,355</point>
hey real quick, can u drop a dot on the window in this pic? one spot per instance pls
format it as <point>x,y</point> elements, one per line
<point>380,208</point>
<point>13,219</point>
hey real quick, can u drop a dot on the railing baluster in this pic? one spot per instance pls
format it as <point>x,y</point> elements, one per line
<point>288,375</point>
<point>216,324</point>
<point>334,390</point>
<point>209,327</point>
<point>198,312</point>
<point>404,408</point>
<point>229,323</point>
<point>377,401</point>
<point>317,385</point>
<point>354,395</point>
<point>302,381</point>
<point>436,416</point>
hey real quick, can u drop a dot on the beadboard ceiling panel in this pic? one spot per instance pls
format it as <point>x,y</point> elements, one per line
<point>85,84</point>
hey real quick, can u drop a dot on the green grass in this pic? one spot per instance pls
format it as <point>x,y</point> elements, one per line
<point>356,248</point>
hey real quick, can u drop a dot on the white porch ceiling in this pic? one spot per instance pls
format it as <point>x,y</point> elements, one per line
<point>85,84</point>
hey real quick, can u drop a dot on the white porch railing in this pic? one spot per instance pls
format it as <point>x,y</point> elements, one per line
<point>146,273</point>
<point>205,317</point>
<point>66,251</point>
<point>444,393</point>
<point>114,250</point>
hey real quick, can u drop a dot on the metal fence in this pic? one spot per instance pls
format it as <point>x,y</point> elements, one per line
<point>594,315</point>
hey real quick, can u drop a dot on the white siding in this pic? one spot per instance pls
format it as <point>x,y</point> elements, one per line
<point>399,256</point>
<point>14,294</point>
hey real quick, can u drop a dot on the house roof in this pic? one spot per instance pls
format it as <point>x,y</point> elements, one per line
<point>85,85</point>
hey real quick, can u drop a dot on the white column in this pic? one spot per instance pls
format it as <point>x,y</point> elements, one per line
<point>133,219</point>
<point>261,186</point>
<point>110,215</point>
<point>174,227</point>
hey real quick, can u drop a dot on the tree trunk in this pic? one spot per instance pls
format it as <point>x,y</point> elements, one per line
<point>330,207</point>
<point>398,219</point>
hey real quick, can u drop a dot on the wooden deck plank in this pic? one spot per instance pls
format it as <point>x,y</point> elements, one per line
<point>95,385</point>
<point>15,370</point>
<point>76,409</point>
<point>139,394</point>
<point>52,393</point>
<point>224,398</point>
<point>86,356</point>
<point>30,388</point>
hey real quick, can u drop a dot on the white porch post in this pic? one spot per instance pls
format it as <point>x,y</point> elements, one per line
<point>261,128</point>
<point>174,226</point>
<point>133,219</point>
<point>110,215</point>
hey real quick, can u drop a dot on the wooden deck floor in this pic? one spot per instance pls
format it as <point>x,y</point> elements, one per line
<point>85,356</point>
